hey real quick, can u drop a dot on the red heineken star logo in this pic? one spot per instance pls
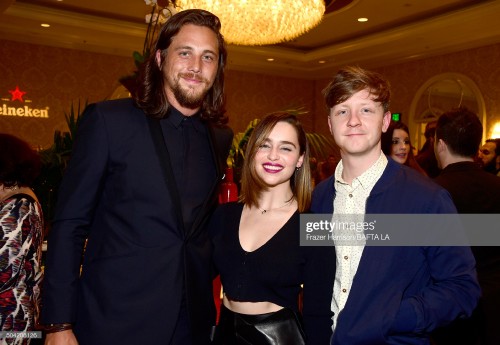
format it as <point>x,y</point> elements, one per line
<point>17,94</point>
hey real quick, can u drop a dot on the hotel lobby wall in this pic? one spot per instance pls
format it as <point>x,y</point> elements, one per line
<point>56,77</point>
<point>53,78</point>
<point>479,64</point>
<point>252,95</point>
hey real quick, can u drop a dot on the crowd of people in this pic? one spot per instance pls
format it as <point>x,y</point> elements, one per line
<point>138,235</point>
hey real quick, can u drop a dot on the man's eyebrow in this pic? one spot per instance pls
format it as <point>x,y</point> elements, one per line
<point>184,47</point>
<point>191,48</point>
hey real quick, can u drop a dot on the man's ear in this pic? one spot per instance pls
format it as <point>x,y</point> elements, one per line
<point>386,121</point>
<point>158,58</point>
<point>441,145</point>
<point>330,124</point>
<point>440,151</point>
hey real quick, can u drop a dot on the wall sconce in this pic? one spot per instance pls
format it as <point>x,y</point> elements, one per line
<point>495,132</point>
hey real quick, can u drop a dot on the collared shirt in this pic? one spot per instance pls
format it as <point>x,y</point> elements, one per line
<point>191,158</point>
<point>351,200</point>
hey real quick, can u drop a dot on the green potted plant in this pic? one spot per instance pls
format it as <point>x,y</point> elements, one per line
<point>54,162</point>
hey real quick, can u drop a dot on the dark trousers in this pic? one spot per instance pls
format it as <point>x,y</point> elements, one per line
<point>182,331</point>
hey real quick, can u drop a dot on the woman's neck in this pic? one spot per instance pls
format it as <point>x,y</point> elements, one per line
<point>277,197</point>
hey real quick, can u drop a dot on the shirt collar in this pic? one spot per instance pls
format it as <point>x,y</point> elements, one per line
<point>367,179</point>
<point>176,118</point>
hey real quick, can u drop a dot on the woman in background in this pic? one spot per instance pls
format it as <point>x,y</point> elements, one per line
<point>21,228</point>
<point>257,246</point>
<point>396,144</point>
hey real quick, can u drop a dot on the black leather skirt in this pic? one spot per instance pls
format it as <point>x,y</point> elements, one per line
<point>278,328</point>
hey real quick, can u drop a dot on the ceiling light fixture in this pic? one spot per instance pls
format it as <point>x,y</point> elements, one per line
<point>261,22</point>
<point>362,20</point>
<point>45,25</point>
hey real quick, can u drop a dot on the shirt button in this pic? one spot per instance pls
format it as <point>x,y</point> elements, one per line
<point>344,290</point>
<point>346,257</point>
<point>350,195</point>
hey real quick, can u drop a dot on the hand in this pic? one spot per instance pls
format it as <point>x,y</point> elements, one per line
<point>61,338</point>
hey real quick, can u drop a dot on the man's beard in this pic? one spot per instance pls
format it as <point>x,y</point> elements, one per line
<point>189,98</point>
<point>491,166</point>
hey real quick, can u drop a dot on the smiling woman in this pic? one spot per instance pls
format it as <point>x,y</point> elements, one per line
<point>257,249</point>
<point>396,143</point>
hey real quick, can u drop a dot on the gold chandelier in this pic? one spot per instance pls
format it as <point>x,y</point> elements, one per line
<point>261,22</point>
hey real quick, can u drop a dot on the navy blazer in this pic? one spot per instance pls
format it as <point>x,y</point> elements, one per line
<point>137,255</point>
<point>400,294</point>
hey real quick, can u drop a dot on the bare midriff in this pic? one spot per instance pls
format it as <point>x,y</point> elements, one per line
<point>250,308</point>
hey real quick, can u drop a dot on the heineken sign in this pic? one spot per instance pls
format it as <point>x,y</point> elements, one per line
<point>17,106</point>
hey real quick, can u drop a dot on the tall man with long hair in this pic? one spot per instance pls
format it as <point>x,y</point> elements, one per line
<point>140,187</point>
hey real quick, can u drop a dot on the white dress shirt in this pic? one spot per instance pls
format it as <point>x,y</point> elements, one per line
<point>350,202</point>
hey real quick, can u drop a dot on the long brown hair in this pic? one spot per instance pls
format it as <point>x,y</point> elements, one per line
<point>300,183</point>
<point>150,95</point>
<point>386,142</point>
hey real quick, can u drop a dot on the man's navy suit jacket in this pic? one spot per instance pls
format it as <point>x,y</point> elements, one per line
<point>138,257</point>
<point>400,294</point>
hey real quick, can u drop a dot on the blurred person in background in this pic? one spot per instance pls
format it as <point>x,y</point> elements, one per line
<point>327,168</point>
<point>426,157</point>
<point>489,154</point>
<point>474,191</point>
<point>21,225</point>
<point>396,144</point>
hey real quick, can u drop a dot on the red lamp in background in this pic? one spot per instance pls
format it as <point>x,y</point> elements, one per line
<point>228,189</point>
<point>228,192</point>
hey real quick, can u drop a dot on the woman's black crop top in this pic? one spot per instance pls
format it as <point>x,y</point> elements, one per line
<point>275,271</point>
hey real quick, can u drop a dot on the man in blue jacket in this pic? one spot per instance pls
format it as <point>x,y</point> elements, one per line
<point>386,295</point>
